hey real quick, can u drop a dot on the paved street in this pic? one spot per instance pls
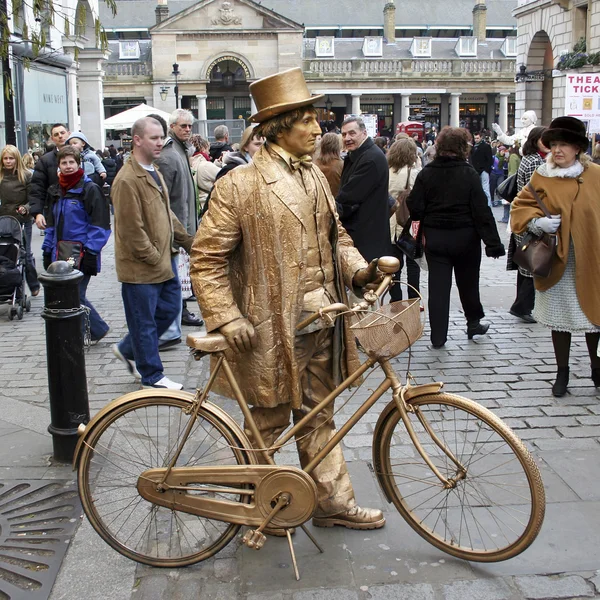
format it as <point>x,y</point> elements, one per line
<point>510,370</point>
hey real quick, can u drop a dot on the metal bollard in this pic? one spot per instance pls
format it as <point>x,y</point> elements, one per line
<point>67,380</point>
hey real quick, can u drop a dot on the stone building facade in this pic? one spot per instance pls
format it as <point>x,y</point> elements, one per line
<point>547,29</point>
<point>453,65</point>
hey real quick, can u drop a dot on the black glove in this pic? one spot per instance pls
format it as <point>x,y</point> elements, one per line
<point>89,264</point>
<point>46,260</point>
<point>495,251</point>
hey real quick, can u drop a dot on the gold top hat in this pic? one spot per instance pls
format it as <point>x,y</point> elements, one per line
<point>280,93</point>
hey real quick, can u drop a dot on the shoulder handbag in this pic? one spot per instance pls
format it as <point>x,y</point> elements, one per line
<point>402,212</point>
<point>536,252</point>
<point>507,190</point>
<point>409,245</point>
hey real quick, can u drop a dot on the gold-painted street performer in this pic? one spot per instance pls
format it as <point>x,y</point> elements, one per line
<point>269,252</point>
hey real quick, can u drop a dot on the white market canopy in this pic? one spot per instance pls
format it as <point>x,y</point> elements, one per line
<point>127,118</point>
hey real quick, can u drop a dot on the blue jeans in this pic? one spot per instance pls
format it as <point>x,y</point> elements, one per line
<point>485,183</point>
<point>173,332</point>
<point>98,327</point>
<point>149,310</point>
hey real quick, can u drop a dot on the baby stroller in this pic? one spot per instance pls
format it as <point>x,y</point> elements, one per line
<point>12,268</point>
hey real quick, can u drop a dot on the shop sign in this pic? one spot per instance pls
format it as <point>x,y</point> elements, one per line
<point>473,99</point>
<point>583,99</point>
<point>431,99</point>
<point>389,99</point>
<point>45,96</point>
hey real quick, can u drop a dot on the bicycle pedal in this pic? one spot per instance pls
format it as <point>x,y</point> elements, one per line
<point>254,539</point>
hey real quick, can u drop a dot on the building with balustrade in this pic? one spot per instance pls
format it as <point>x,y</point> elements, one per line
<point>52,82</point>
<point>441,62</point>
<point>549,31</point>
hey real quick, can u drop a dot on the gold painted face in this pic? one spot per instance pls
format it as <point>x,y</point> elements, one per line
<point>302,137</point>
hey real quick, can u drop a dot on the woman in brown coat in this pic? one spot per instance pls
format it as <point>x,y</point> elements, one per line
<point>568,301</point>
<point>329,161</point>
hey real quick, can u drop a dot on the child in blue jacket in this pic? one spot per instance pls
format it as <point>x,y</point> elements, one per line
<point>91,163</point>
<point>80,218</point>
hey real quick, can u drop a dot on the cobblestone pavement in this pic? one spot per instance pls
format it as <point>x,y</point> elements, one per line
<point>510,371</point>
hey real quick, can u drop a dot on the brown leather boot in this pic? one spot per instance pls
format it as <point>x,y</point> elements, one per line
<point>353,518</point>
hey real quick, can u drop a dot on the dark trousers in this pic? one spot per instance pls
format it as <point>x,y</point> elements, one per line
<point>525,300</point>
<point>413,275</point>
<point>30,271</point>
<point>448,250</point>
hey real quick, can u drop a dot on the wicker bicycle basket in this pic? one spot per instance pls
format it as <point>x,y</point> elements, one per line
<point>391,329</point>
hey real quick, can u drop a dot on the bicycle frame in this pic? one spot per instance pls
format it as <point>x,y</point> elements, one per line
<point>391,381</point>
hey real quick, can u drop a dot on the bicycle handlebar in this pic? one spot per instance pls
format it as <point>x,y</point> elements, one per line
<point>388,265</point>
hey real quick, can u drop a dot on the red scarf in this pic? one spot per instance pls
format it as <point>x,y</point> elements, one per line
<point>66,182</point>
<point>542,154</point>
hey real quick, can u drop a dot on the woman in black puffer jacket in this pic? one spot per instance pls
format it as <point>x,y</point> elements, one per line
<point>448,200</point>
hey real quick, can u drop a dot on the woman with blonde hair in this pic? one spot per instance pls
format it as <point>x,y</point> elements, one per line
<point>328,159</point>
<point>402,161</point>
<point>28,161</point>
<point>249,145</point>
<point>568,300</point>
<point>14,189</point>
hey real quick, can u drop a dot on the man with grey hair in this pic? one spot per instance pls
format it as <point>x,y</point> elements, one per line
<point>174,164</point>
<point>221,143</point>
<point>363,197</point>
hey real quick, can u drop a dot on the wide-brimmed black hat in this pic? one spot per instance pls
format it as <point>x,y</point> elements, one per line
<point>566,129</point>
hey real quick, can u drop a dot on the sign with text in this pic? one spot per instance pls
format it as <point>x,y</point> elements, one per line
<point>583,99</point>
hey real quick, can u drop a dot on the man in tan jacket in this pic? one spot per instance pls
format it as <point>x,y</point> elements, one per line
<point>147,234</point>
<point>269,251</point>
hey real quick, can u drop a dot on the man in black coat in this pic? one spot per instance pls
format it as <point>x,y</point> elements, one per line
<point>482,160</point>
<point>45,174</point>
<point>363,198</point>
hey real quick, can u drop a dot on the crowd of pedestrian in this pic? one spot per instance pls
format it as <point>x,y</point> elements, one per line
<point>441,190</point>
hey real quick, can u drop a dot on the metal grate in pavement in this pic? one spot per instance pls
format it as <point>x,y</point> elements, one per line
<point>37,520</point>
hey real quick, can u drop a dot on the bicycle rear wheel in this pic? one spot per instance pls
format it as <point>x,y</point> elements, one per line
<point>144,434</point>
<point>496,506</point>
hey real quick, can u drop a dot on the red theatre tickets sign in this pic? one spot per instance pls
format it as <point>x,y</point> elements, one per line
<point>583,99</point>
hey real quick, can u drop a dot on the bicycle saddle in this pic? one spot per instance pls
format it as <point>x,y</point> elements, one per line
<point>207,342</point>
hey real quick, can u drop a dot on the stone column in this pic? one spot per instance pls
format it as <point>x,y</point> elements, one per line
<point>455,109</point>
<point>444,110</point>
<point>491,110</point>
<point>202,114</point>
<point>91,97</point>
<point>356,104</point>
<point>503,119</point>
<point>405,107</point>
<point>72,97</point>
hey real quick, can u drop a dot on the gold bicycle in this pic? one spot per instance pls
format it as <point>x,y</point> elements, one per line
<point>168,478</point>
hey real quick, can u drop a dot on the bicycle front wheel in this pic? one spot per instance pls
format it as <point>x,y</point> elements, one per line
<point>144,434</point>
<point>495,505</point>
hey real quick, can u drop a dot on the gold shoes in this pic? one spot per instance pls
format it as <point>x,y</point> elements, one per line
<point>354,518</point>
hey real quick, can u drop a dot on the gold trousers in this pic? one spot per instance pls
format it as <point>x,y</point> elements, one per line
<point>315,362</point>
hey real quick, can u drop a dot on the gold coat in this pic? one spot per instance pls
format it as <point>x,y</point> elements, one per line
<point>249,259</point>
<point>577,200</point>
